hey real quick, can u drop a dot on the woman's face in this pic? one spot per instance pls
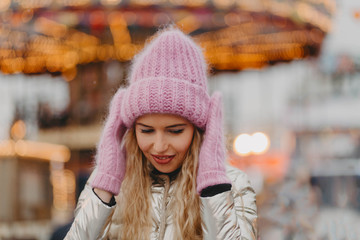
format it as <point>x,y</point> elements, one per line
<point>164,139</point>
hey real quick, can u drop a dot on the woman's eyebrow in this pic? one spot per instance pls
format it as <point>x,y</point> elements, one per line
<point>144,125</point>
<point>176,125</point>
<point>170,126</point>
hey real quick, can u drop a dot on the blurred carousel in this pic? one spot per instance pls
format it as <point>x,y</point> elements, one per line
<point>88,44</point>
<point>56,36</point>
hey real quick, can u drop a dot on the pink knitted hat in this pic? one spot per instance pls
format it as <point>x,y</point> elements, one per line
<point>168,76</point>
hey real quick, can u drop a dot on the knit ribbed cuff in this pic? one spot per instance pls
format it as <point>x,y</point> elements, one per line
<point>211,178</point>
<point>106,182</point>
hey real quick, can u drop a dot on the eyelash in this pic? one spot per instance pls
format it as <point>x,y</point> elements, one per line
<point>177,131</point>
<point>147,130</point>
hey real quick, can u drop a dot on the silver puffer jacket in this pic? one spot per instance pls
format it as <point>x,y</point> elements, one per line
<point>228,215</point>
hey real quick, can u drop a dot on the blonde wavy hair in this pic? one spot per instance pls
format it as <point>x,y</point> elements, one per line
<point>134,210</point>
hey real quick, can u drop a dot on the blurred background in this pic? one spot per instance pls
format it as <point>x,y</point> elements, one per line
<point>289,71</point>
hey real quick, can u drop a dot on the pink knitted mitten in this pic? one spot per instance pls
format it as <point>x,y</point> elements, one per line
<point>212,153</point>
<point>110,158</point>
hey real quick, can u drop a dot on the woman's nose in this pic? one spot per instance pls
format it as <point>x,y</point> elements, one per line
<point>160,144</point>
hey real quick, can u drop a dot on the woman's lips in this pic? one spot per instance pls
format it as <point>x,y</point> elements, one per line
<point>163,159</point>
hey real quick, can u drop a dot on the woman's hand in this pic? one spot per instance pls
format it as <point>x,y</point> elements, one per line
<point>212,153</point>
<point>111,155</point>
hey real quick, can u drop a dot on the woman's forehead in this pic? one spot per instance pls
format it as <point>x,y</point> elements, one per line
<point>161,119</point>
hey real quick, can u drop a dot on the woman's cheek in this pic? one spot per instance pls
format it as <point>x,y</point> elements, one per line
<point>142,143</point>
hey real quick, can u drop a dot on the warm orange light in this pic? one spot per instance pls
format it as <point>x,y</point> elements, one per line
<point>70,74</point>
<point>4,5</point>
<point>126,52</point>
<point>310,14</point>
<point>64,186</point>
<point>105,52</point>
<point>36,150</point>
<point>18,130</point>
<point>118,28</point>
<point>188,24</point>
<point>42,151</point>
<point>357,14</point>
<point>110,2</point>
<point>273,164</point>
<point>50,27</point>
<point>34,64</point>
<point>12,65</point>
<point>70,60</point>
<point>7,148</point>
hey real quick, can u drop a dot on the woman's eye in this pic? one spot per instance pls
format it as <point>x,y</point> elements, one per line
<point>147,130</point>
<point>176,131</point>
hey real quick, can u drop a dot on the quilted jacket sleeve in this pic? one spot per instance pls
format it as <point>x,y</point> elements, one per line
<point>231,214</point>
<point>91,216</point>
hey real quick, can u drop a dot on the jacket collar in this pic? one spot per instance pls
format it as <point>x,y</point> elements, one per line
<point>157,175</point>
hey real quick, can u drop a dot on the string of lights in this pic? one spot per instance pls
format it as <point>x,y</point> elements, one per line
<point>55,36</point>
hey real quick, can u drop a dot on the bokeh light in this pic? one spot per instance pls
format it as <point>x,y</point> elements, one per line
<point>276,50</point>
<point>243,144</point>
<point>18,130</point>
<point>260,143</point>
<point>246,144</point>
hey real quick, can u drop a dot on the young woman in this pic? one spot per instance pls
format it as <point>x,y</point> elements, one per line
<point>160,170</point>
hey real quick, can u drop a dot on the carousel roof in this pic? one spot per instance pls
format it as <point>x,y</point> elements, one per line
<point>56,36</point>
